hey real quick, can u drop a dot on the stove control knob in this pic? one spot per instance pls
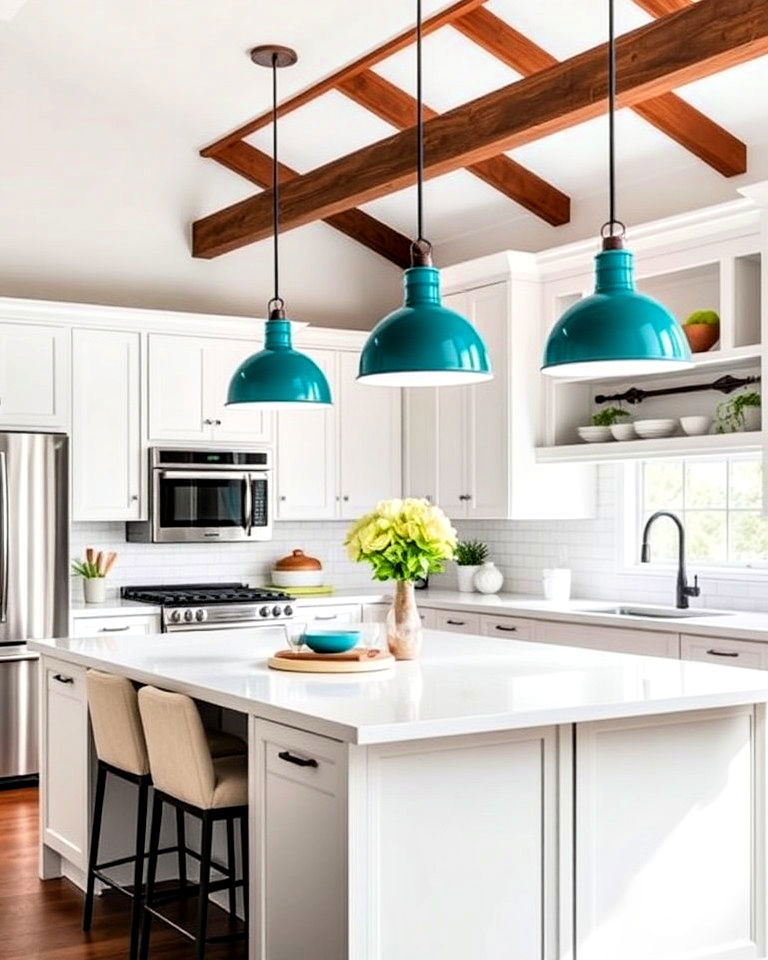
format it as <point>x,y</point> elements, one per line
<point>288,611</point>
<point>189,615</point>
<point>174,616</point>
<point>201,615</point>
<point>264,612</point>
<point>277,611</point>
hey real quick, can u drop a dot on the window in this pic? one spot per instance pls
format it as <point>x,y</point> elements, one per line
<point>720,503</point>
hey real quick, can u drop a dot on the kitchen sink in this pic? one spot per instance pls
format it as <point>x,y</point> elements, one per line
<point>664,613</point>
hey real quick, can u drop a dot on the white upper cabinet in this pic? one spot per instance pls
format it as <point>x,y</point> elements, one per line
<point>307,460</point>
<point>370,440</point>
<point>471,449</point>
<point>188,380</point>
<point>107,457</point>
<point>34,376</point>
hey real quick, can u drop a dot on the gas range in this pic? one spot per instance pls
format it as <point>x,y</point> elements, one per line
<point>207,606</point>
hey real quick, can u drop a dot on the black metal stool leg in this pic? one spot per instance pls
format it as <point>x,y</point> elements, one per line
<point>93,853</point>
<point>181,842</point>
<point>231,864</point>
<point>205,878</point>
<point>137,907</point>
<point>154,843</point>
<point>244,849</point>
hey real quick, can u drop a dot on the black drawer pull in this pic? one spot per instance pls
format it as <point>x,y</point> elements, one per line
<point>299,761</point>
<point>62,679</point>
<point>506,629</point>
<point>115,629</point>
<point>721,653</point>
<point>456,623</point>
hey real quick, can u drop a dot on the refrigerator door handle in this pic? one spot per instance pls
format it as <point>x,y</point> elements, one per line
<point>4,537</point>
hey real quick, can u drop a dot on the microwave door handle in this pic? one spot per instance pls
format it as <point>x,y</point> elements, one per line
<point>199,475</point>
<point>247,505</point>
<point>4,537</point>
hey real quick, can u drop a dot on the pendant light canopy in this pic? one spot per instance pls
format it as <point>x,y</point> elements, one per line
<point>278,376</point>
<point>616,332</point>
<point>423,343</point>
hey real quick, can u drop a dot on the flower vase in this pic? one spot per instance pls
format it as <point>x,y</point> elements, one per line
<point>404,623</point>
<point>94,589</point>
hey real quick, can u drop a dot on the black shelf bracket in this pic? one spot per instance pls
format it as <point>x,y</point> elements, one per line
<point>726,384</point>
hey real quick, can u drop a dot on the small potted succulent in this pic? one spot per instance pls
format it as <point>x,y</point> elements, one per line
<point>739,414</point>
<point>702,328</point>
<point>94,570</point>
<point>470,555</point>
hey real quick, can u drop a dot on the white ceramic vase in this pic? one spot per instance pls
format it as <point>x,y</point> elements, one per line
<point>751,418</point>
<point>95,589</point>
<point>488,579</point>
<point>466,576</point>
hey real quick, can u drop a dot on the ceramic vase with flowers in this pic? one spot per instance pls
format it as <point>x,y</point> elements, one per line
<point>403,540</point>
<point>93,570</point>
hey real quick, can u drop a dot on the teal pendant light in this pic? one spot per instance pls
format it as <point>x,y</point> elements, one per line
<point>423,343</point>
<point>616,332</point>
<point>278,376</point>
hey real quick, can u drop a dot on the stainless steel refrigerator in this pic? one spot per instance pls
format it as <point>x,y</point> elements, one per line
<point>34,581</point>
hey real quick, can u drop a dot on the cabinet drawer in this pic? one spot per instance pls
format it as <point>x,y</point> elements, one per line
<point>455,621</point>
<point>103,626</point>
<point>649,643</point>
<point>343,613</point>
<point>735,653</point>
<point>511,627</point>
<point>65,679</point>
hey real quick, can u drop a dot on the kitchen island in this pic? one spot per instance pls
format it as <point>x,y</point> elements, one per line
<point>497,799</point>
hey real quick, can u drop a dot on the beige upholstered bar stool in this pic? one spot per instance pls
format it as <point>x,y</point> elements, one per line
<point>188,778</point>
<point>122,752</point>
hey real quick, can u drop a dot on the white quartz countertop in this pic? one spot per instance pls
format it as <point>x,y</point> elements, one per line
<point>462,684</point>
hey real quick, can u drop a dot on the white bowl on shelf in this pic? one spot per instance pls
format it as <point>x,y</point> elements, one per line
<point>654,429</point>
<point>623,431</point>
<point>695,426</point>
<point>595,434</point>
<point>297,578</point>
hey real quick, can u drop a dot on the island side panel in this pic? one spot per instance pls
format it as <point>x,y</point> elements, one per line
<point>670,844</point>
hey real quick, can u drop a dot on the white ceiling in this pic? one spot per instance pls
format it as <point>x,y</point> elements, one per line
<point>107,104</point>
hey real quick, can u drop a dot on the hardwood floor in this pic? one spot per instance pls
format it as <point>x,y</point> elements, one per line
<point>40,920</point>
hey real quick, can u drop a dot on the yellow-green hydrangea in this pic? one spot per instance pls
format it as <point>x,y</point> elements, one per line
<point>402,539</point>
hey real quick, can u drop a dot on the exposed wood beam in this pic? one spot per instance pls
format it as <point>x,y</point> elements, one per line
<point>242,158</point>
<point>662,8</point>
<point>397,107</point>
<point>400,42</point>
<point>710,36</point>
<point>668,113</point>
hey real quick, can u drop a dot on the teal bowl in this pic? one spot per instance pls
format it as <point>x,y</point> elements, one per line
<point>333,640</point>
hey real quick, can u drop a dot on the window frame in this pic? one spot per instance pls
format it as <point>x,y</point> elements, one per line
<point>631,524</point>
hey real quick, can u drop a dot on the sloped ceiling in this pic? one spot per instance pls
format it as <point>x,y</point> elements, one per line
<point>105,106</point>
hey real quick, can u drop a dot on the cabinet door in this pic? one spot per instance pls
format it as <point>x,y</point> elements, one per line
<point>370,435</point>
<point>239,423</point>
<point>107,453</point>
<point>307,463</point>
<point>668,815</point>
<point>650,643</point>
<point>64,773</point>
<point>133,625</point>
<point>34,376</point>
<point>299,847</point>
<point>420,443</point>
<point>176,394</point>
<point>487,445</point>
<point>452,430</point>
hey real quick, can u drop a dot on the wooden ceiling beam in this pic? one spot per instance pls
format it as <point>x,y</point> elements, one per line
<point>400,42</point>
<point>668,113</point>
<point>256,166</point>
<point>663,8</point>
<point>397,107</point>
<point>710,36</point>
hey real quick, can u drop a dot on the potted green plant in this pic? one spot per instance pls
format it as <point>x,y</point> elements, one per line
<point>607,423</point>
<point>403,540</point>
<point>702,328</point>
<point>93,571</point>
<point>739,413</point>
<point>470,556</point>
<point>609,417</point>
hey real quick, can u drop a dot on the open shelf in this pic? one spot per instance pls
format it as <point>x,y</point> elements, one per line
<point>647,449</point>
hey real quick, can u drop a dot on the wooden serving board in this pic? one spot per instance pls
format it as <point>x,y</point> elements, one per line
<point>331,664</point>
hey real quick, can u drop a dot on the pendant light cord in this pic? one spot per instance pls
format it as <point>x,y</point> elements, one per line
<point>276,303</point>
<point>613,227</point>
<point>421,249</point>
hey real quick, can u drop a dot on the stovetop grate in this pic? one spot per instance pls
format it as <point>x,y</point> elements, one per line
<point>193,594</point>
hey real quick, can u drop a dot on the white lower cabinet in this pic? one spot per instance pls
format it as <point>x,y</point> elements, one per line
<point>651,643</point>
<point>64,762</point>
<point>514,628</point>
<point>669,822</point>
<point>108,475</point>
<point>139,624</point>
<point>735,653</point>
<point>455,621</point>
<point>34,376</point>
<point>330,615</point>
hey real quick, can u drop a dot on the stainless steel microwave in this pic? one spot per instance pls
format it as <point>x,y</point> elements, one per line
<point>207,496</point>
